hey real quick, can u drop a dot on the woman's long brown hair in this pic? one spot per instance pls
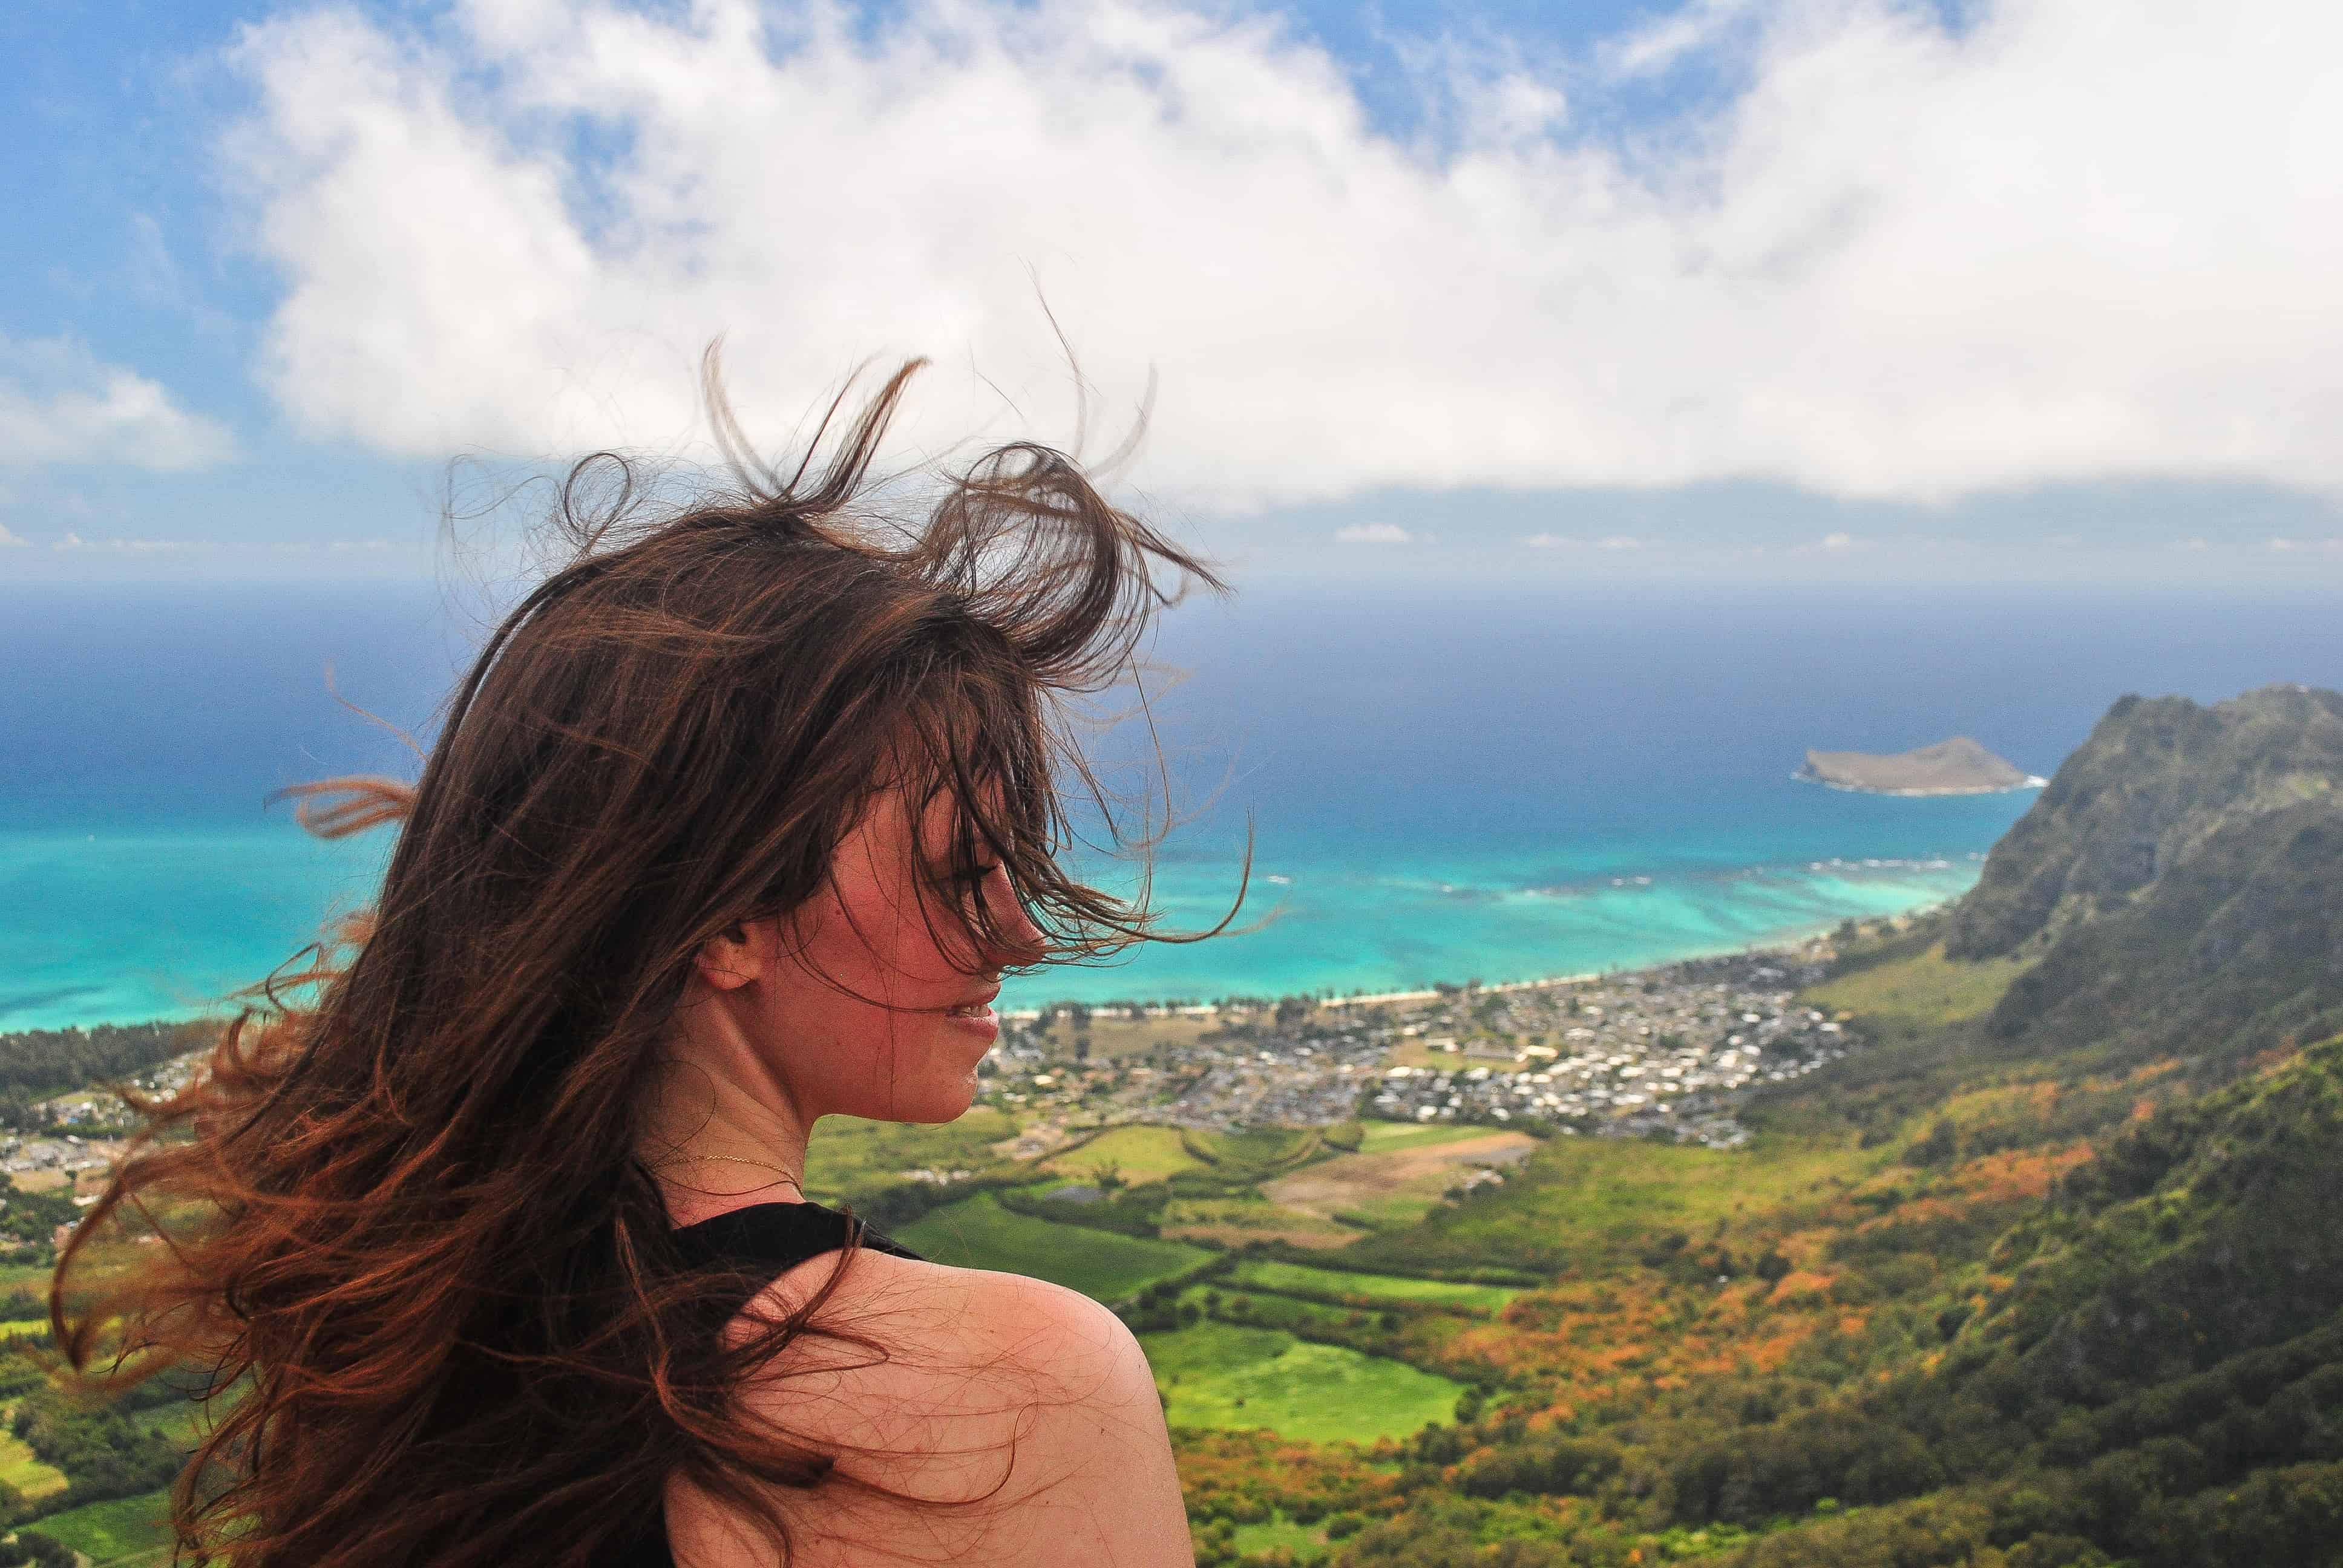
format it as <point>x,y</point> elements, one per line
<point>400,1224</point>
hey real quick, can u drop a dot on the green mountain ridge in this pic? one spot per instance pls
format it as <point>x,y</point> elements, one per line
<point>2154,779</point>
<point>2237,949</point>
<point>2143,1366</point>
<point>2213,1227</point>
<point>2169,896</point>
<point>2170,1336</point>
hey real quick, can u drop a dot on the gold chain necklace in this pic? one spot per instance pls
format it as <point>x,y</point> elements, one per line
<point>756,1165</point>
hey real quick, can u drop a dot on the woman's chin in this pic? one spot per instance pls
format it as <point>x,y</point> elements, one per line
<point>939,1103</point>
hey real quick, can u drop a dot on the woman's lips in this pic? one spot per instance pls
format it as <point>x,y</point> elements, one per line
<point>976,1014</point>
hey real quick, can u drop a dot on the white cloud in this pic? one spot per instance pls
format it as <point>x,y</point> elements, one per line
<point>60,403</point>
<point>248,546</point>
<point>11,541</point>
<point>1372,533</point>
<point>1663,41</point>
<point>1617,543</point>
<point>1897,261</point>
<point>1839,541</point>
<point>145,547</point>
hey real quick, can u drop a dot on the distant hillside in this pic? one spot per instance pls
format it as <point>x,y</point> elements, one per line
<point>2205,1230</point>
<point>2177,884</point>
<point>2046,1276</point>
<point>2235,949</point>
<point>2156,780</point>
<point>2151,1374</point>
<point>1959,766</point>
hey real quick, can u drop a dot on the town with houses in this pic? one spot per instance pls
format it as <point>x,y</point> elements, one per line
<point>1666,1053</point>
<point>76,1164</point>
<point>1669,1052</point>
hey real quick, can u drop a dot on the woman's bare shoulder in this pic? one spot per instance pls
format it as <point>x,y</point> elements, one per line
<point>1024,1414</point>
<point>1028,1320</point>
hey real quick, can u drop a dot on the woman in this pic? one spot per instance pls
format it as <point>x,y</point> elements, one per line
<point>498,1252</point>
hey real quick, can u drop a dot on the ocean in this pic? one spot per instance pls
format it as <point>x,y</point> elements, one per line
<point>1441,783</point>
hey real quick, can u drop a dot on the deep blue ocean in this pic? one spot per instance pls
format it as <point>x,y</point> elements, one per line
<point>1443,783</point>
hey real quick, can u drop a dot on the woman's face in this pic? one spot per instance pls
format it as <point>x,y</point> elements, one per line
<point>869,1006</point>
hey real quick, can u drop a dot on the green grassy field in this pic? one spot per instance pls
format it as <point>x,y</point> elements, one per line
<point>1394,1181</point>
<point>1306,1541</point>
<point>1298,1280</point>
<point>115,1531</point>
<point>847,1156</point>
<point>182,1423</point>
<point>1233,1221</point>
<point>1382,1137</point>
<point>23,1469</point>
<point>1598,1204</point>
<point>1258,1148</point>
<point>1140,1153</point>
<point>32,1277</point>
<point>1267,1309</point>
<point>1215,1374</point>
<point>1113,1035</point>
<point>1394,1211</point>
<point>1928,988</point>
<point>24,1326</point>
<point>978,1233</point>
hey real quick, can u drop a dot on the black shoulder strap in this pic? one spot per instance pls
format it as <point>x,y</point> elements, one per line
<point>763,1238</point>
<point>777,1236</point>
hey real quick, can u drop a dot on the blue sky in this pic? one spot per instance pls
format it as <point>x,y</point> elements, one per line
<point>1846,288</point>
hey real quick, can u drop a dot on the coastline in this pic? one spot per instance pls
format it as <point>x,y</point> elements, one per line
<point>2031,782</point>
<point>1785,943</point>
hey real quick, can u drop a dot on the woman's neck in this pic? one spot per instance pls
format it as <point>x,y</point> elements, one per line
<point>719,1134</point>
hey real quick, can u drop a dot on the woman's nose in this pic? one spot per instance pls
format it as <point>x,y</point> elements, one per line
<point>1018,939</point>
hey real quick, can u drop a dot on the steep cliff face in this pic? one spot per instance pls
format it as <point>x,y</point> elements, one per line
<point>2148,1367</point>
<point>2157,781</point>
<point>2235,949</point>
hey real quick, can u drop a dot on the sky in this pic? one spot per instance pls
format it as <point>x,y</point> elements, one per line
<point>2027,290</point>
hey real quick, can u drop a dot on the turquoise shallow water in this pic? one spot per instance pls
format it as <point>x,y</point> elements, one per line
<point>118,926</point>
<point>1495,784</point>
<point>1332,927</point>
<point>136,925</point>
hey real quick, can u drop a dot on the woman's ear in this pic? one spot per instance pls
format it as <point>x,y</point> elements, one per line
<point>734,956</point>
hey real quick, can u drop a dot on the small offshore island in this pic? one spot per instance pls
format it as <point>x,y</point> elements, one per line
<point>1956,766</point>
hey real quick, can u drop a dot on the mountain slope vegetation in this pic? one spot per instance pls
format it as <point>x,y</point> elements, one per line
<point>2048,1277</point>
<point>2154,779</point>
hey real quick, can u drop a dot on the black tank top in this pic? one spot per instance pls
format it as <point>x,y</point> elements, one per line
<point>770,1238</point>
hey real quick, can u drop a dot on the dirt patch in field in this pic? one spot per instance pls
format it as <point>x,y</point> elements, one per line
<point>1238,1235</point>
<point>1115,1035</point>
<point>1233,1221</point>
<point>1355,1181</point>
